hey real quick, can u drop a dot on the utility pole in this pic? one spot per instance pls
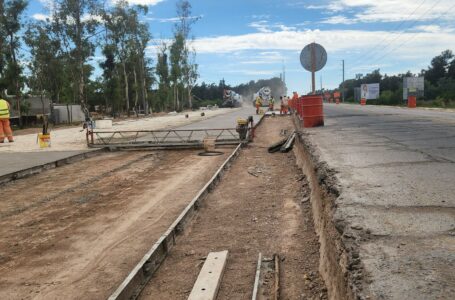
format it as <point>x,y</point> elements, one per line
<point>342,92</point>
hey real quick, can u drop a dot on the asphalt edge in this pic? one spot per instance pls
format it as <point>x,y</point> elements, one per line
<point>137,279</point>
<point>6,178</point>
<point>340,264</point>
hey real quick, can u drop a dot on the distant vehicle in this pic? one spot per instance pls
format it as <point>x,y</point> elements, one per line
<point>265,93</point>
<point>231,99</point>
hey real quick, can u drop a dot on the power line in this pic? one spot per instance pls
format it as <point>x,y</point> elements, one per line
<point>413,23</point>
<point>368,52</point>
<point>400,34</point>
<point>414,36</point>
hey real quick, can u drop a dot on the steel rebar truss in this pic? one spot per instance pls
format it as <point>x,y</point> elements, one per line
<point>163,138</point>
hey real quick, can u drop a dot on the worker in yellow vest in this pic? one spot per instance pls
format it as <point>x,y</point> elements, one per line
<point>258,104</point>
<point>5,128</point>
<point>272,104</point>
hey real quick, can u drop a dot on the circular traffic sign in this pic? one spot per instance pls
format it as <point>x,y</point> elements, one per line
<point>313,57</point>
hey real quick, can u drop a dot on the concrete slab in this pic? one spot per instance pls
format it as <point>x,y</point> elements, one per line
<point>12,162</point>
<point>396,169</point>
<point>16,161</point>
<point>209,279</point>
<point>228,120</point>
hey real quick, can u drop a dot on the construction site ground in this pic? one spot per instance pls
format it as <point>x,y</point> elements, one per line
<point>261,206</point>
<point>76,231</point>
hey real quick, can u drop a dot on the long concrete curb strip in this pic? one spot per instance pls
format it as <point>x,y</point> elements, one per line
<point>47,166</point>
<point>133,284</point>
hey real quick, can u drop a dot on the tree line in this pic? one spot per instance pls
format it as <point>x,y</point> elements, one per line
<point>439,83</point>
<point>56,57</point>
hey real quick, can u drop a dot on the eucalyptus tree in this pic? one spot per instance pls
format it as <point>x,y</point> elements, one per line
<point>183,67</point>
<point>2,43</point>
<point>127,39</point>
<point>11,13</point>
<point>75,23</point>
<point>162,72</point>
<point>46,61</point>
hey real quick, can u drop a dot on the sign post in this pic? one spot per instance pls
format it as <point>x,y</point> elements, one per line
<point>313,58</point>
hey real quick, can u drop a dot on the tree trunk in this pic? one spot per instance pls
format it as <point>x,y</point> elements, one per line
<point>174,95</point>
<point>144,87</point>
<point>68,113</point>
<point>136,94</point>
<point>16,79</point>
<point>177,97</point>
<point>81,91</point>
<point>127,97</point>
<point>190,101</point>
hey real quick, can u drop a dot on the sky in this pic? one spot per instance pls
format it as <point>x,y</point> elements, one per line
<point>243,40</point>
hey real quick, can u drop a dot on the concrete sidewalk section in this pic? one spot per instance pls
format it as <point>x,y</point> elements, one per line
<point>15,162</point>
<point>74,138</point>
<point>229,120</point>
<point>396,208</point>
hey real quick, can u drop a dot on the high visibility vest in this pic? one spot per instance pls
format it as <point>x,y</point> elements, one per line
<point>4,109</point>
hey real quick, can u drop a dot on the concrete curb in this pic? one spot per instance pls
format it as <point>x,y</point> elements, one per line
<point>47,166</point>
<point>136,280</point>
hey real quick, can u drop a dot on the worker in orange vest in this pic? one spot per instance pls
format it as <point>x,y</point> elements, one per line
<point>5,128</point>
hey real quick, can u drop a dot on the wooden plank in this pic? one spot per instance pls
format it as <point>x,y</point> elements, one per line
<point>209,279</point>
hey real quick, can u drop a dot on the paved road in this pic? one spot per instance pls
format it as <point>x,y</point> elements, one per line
<point>396,167</point>
<point>13,162</point>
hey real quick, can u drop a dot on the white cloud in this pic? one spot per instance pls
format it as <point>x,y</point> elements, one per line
<point>252,72</point>
<point>265,27</point>
<point>261,26</point>
<point>332,7</point>
<point>335,41</point>
<point>173,19</point>
<point>143,2</point>
<point>260,17</point>
<point>391,10</point>
<point>339,20</point>
<point>40,17</point>
<point>263,58</point>
<point>90,17</point>
<point>434,29</point>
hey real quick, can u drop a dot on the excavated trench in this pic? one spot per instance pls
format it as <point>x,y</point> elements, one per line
<point>339,260</point>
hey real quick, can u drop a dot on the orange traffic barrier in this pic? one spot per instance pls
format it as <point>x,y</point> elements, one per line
<point>412,101</point>
<point>363,101</point>
<point>312,111</point>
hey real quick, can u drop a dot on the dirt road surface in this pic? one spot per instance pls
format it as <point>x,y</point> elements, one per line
<point>260,206</point>
<point>75,232</point>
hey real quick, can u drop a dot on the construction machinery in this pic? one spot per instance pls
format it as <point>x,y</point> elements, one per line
<point>265,93</point>
<point>171,139</point>
<point>231,99</point>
